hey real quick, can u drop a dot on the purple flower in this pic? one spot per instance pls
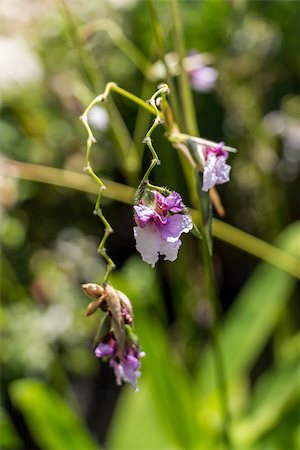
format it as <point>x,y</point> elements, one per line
<point>160,226</point>
<point>126,365</point>
<point>203,78</point>
<point>216,171</point>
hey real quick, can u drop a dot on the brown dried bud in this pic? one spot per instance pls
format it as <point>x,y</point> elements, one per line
<point>92,290</point>
<point>92,307</point>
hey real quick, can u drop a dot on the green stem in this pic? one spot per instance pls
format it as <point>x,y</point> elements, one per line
<point>114,87</point>
<point>117,36</point>
<point>122,193</point>
<point>158,35</point>
<point>217,351</point>
<point>162,91</point>
<point>185,91</point>
<point>88,168</point>
<point>192,128</point>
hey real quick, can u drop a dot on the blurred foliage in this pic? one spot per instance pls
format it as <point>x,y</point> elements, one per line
<point>53,61</point>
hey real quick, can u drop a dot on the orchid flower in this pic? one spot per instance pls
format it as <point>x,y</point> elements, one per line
<point>159,227</point>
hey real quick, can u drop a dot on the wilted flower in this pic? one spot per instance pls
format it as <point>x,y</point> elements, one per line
<point>126,364</point>
<point>216,171</point>
<point>160,223</point>
<point>116,339</point>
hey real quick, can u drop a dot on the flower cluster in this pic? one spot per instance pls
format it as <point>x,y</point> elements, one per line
<point>125,364</point>
<point>216,171</point>
<point>160,222</point>
<point>116,341</point>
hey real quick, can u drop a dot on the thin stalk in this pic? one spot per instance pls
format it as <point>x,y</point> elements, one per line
<point>125,194</point>
<point>185,91</point>
<point>117,36</point>
<point>158,35</point>
<point>98,211</point>
<point>162,91</point>
<point>192,129</point>
<point>217,351</point>
<point>137,100</point>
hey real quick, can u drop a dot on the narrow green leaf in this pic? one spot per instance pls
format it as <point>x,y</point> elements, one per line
<point>136,425</point>
<point>275,391</point>
<point>8,435</point>
<point>51,421</point>
<point>253,316</point>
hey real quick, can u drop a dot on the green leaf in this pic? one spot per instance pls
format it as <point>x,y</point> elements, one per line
<point>253,317</point>
<point>275,391</point>
<point>136,425</point>
<point>8,436</point>
<point>51,421</point>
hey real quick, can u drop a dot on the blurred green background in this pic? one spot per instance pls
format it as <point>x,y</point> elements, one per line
<point>55,57</point>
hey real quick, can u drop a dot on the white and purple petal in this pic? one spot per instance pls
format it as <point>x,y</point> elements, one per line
<point>175,226</point>
<point>148,242</point>
<point>174,202</point>
<point>216,171</point>
<point>130,365</point>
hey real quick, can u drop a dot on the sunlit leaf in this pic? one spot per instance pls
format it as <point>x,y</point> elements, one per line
<point>51,421</point>
<point>253,316</point>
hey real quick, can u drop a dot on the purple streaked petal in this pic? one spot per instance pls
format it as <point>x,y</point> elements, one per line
<point>174,202</point>
<point>176,225</point>
<point>160,200</point>
<point>144,214</point>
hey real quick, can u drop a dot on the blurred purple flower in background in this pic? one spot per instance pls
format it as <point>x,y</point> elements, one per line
<point>159,227</point>
<point>203,78</point>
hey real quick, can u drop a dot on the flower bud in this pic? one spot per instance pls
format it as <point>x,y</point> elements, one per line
<point>92,307</point>
<point>93,290</point>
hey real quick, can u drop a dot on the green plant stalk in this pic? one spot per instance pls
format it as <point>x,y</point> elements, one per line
<point>125,194</point>
<point>163,90</point>
<point>142,120</point>
<point>192,129</point>
<point>98,211</point>
<point>158,35</point>
<point>114,87</point>
<point>185,91</point>
<point>117,36</point>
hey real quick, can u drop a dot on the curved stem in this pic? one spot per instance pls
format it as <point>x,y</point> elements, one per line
<point>162,91</point>
<point>88,169</point>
